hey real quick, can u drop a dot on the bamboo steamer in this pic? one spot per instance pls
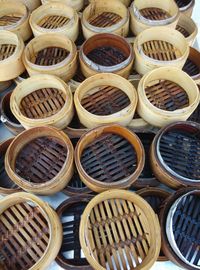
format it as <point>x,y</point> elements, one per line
<point>117,212</point>
<point>52,166</point>
<point>192,65</point>
<point>125,2</point>
<point>96,18</point>
<point>188,28</point>
<point>115,144</point>
<point>5,85</point>
<point>160,46</point>
<point>75,4</point>
<point>11,64</point>
<point>167,95</point>
<point>186,6</point>
<point>106,53</point>
<point>55,18</point>
<point>15,18</point>
<point>146,14</point>
<point>37,233</point>
<point>43,100</point>
<point>94,108</point>
<point>52,54</point>
<point>31,4</point>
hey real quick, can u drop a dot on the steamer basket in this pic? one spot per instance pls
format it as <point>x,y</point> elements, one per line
<point>109,157</point>
<point>186,6</point>
<point>31,233</point>
<point>53,18</point>
<point>118,228</point>
<point>52,54</point>
<point>15,18</point>
<point>11,64</point>
<point>106,53</point>
<point>182,140</point>
<point>43,100</point>
<point>105,17</point>
<point>167,95</point>
<point>125,2</point>
<point>31,4</point>
<point>40,160</point>
<point>188,28</point>
<point>160,46</point>
<point>192,65</point>
<point>146,14</point>
<point>75,4</point>
<point>105,98</point>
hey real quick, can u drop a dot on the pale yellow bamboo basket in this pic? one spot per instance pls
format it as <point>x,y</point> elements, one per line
<point>167,95</point>
<point>160,46</point>
<point>42,100</point>
<point>31,4</point>
<point>11,64</point>
<point>146,14</point>
<point>55,18</point>
<point>52,54</point>
<point>75,4</point>
<point>96,18</point>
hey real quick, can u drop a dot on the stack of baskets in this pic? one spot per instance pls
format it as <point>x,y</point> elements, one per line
<point>102,97</point>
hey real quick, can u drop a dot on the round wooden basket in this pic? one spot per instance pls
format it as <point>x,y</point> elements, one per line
<point>105,98</point>
<point>7,117</point>
<point>167,95</point>
<point>53,18</point>
<point>105,17</point>
<point>52,54</point>
<point>42,100</point>
<point>175,155</point>
<point>180,228</point>
<point>70,256</point>
<point>11,49</point>
<point>188,28</point>
<point>31,233</point>
<point>31,4</point>
<point>5,85</point>
<point>192,65</point>
<point>40,160</point>
<point>160,46</point>
<point>186,6</point>
<point>106,53</point>
<point>75,4</point>
<point>15,18</point>
<point>22,77</point>
<point>119,230</point>
<point>7,186</point>
<point>109,157</point>
<point>146,14</point>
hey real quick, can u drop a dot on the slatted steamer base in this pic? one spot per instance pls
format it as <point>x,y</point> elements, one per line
<point>109,158</point>
<point>167,95</point>
<point>6,50</point>
<point>183,31</point>
<point>41,160</point>
<point>42,103</point>
<point>24,236</point>
<point>191,68</point>
<point>105,100</point>
<point>154,14</point>
<point>53,22</point>
<point>9,19</point>
<point>105,19</point>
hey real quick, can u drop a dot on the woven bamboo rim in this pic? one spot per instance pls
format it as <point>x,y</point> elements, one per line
<point>126,206</point>
<point>75,4</point>
<point>94,135</point>
<point>42,100</point>
<point>171,111</point>
<point>192,65</point>
<point>41,244</point>
<point>65,69</point>
<point>62,173</point>
<point>146,14</point>
<point>72,208</point>
<point>165,173</point>
<point>15,18</point>
<point>186,6</point>
<point>55,18</point>
<point>11,64</point>
<point>92,62</point>
<point>96,8</point>
<point>168,209</point>
<point>93,85</point>
<point>5,85</point>
<point>170,48</point>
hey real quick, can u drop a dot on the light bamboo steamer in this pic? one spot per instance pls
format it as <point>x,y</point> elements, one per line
<point>31,4</point>
<point>186,6</point>
<point>42,100</point>
<point>95,93</point>
<point>55,18</point>
<point>11,64</point>
<point>146,14</point>
<point>37,61</point>
<point>175,98</point>
<point>75,4</point>
<point>116,9</point>
<point>15,18</point>
<point>158,47</point>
